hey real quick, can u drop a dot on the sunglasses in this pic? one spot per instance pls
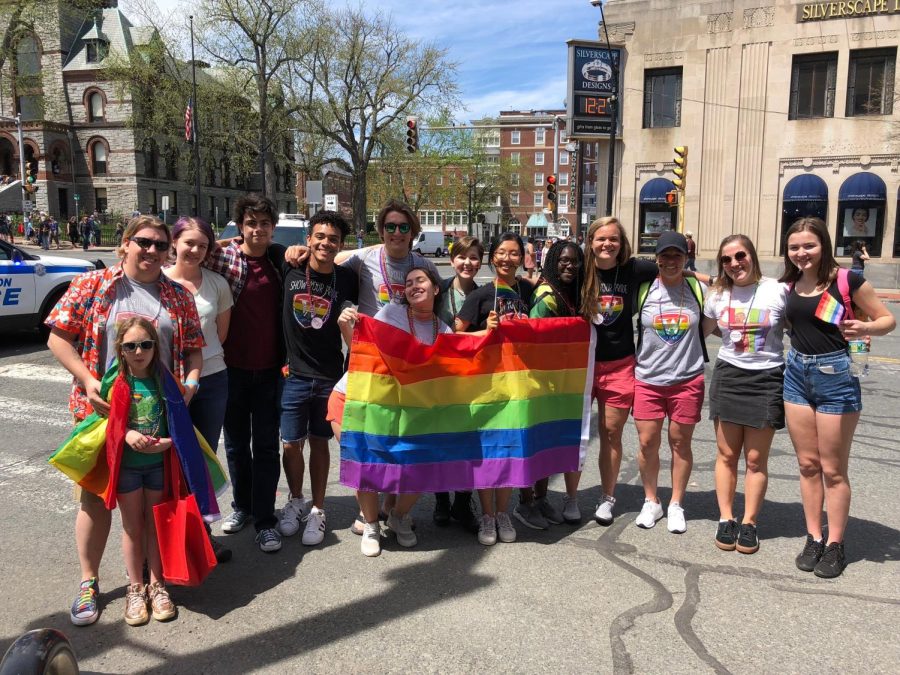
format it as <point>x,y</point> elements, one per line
<point>393,227</point>
<point>739,256</point>
<point>146,244</point>
<point>145,345</point>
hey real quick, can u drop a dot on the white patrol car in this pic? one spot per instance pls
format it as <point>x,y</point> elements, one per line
<point>30,285</point>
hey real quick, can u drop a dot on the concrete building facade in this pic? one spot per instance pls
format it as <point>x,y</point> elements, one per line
<point>787,107</point>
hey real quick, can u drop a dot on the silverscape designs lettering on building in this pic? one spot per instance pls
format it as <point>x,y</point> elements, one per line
<point>818,11</point>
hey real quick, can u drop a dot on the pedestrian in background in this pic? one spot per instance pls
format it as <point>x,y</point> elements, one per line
<point>822,397</point>
<point>860,256</point>
<point>691,252</point>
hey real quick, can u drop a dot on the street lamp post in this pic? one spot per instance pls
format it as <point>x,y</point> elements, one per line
<point>18,120</point>
<point>614,118</point>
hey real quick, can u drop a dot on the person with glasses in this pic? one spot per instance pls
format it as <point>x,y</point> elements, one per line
<point>507,297</point>
<point>83,329</point>
<point>745,393</point>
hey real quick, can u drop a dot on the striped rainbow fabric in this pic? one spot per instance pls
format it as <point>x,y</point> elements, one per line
<point>501,410</point>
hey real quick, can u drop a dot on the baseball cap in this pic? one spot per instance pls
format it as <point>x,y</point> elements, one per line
<point>671,239</point>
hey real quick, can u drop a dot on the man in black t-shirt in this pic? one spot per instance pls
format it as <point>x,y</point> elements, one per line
<point>313,296</point>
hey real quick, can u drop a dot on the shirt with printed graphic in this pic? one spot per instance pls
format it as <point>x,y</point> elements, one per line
<point>547,303</point>
<point>316,351</point>
<point>379,286</point>
<point>146,415</point>
<point>754,315</point>
<point>84,311</point>
<point>671,350</point>
<point>510,303</point>
<point>617,305</point>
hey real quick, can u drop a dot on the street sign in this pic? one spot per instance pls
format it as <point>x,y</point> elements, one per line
<point>28,206</point>
<point>594,79</point>
<point>164,202</point>
<point>590,128</point>
<point>331,202</point>
<point>313,192</point>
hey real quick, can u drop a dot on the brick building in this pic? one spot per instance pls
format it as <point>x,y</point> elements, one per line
<point>76,126</point>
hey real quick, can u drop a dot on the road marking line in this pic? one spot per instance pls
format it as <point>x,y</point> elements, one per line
<point>34,371</point>
<point>24,412</point>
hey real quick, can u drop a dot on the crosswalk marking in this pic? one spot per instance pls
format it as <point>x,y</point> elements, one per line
<point>34,371</point>
<point>22,412</point>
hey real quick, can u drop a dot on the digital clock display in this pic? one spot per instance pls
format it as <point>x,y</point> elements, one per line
<point>592,106</point>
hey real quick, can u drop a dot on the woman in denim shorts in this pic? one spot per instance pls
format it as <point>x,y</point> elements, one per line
<point>822,397</point>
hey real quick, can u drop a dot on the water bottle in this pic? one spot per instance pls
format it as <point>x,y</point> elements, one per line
<point>859,357</point>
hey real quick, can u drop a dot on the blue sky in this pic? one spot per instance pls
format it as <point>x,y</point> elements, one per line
<point>511,54</point>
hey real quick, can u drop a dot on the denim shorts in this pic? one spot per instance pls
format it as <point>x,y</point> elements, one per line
<point>304,408</point>
<point>822,381</point>
<point>133,478</point>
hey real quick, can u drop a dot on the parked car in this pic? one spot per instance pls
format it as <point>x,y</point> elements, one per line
<point>292,228</point>
<point>430,243</point>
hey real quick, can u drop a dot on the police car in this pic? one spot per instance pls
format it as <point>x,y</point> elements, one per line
<point>30,285</point>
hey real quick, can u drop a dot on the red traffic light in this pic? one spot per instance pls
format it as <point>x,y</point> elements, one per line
<point>411,124</point>
<point>551,180</point>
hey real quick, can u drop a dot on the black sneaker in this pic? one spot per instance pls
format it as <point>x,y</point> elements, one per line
<point>832,562</point>
<point>221,551</point>
<point>747,541</point>
<point>441,509</point>
<point>726,535</point>
<point>462,512</point>
<point>810,555</point>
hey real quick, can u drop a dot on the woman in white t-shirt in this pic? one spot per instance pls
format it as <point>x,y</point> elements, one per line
<point>745,394</point>
<point>416,315</point>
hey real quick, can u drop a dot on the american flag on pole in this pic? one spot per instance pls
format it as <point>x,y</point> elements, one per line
<point>189,121</point>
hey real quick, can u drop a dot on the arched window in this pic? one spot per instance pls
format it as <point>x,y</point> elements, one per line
<point>96,107</point>
<point>27,82</point>
<point>28,57</point>
<point>804,195</point>
<point>151,158</point>
<point>657,214</point>
<point>171,162</point>
<point>861,205</point>
<point>99,157</point>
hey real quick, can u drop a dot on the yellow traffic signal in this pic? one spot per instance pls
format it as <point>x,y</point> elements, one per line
<point>680,171</point>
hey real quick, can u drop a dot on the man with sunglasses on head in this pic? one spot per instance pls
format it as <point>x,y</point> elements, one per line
<point>83,327</point>
<point>254,354</point>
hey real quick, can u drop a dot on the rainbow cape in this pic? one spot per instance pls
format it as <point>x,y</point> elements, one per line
<point>92,453</point>
<point>501,410</point>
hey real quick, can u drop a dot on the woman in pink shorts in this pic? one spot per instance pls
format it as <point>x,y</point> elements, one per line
<point>668,376</point>
<point>611,281</point>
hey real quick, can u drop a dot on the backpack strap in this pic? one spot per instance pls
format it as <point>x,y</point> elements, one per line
<point>643,292</point>
<point>843,284</point>
<point>697,292</point>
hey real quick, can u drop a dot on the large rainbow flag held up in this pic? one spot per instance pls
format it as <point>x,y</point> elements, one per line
<point>501,410</point>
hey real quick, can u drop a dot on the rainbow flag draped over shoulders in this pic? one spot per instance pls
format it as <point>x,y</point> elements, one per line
<point>500,410</point>
<point>92,453</point>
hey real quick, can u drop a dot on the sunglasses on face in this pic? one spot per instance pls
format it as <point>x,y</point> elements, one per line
<point>145,345</point>
<point>145,244</point>
<point>739,256</point>
<point>394,227</point>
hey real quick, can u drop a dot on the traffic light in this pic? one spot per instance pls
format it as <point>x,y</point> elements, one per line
<point>680,171</point>
<point>412,134</point>
<point>30,182</point>
<point>672,197</point>
<point>551,191</point>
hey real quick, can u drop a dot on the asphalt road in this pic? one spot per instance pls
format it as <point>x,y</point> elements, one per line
<point>571,599</point>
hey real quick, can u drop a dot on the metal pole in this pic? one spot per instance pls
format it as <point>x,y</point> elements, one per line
<point>614,121</point>
<point>555,205</point>
<point>21,161</point>
<point>194,120</point>
<point>577,167</point>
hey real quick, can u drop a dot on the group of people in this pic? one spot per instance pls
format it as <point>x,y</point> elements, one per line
<point>255,334</point>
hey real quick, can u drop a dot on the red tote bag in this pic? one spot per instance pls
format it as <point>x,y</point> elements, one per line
<point>187,555</point>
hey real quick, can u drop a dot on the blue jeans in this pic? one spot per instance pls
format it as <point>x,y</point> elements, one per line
<point>208,407</point>
<point>823,382</point>
<point>304,407</point>
<point>251,441</point>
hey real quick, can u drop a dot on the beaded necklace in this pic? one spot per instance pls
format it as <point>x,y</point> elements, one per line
<point>382,260</point>
<point>434,324</point>
<point>317,322</point>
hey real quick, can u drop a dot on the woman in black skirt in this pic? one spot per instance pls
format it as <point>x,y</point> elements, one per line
<point>745,396</point>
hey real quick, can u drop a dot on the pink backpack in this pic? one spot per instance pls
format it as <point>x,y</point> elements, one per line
<point>843,283</point>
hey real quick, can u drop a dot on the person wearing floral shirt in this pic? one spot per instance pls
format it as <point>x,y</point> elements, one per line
<point>83,326</point>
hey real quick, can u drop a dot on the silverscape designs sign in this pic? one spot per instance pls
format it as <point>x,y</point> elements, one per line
<point>848,9</point>
<point>593,71</point>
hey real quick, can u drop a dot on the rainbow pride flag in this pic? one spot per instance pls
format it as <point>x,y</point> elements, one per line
<point>830,310</point>
<point>500,410</point>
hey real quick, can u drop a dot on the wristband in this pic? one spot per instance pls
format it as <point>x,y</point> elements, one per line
<point>192,383</point>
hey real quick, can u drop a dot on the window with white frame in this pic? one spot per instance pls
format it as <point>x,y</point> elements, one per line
<point>538,179</point>
<point>562,135</point>
<point>539,135</point>
<point>538,198</point>
<point>514,179</point>
<point>497,201</point>
<point>563,178</point>
<point>439,180</point>
<point>563,157</point>
<point>513,198</point>
<point>563,200</point>
<point>515,158</point>
<point>515,138</point>
<point>539,159</point>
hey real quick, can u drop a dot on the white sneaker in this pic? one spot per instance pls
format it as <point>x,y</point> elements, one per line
<point>370,545</point>
<point>650,513</point>
<point>571,513</point>
<point>402,528</point>
<point>293,512</point>
<point>604,512</point>
<point>505,528</point>
<point>314,532</point>
<point>487,530</point>
<point>675,519</point>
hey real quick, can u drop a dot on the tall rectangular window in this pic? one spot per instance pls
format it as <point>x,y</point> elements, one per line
<point>515,158</point>
<point>662,98</point>
<point>539,136</point>
<point>563,178</point>
<point>870,85</point>
<point>100,199</point>
<point>538,179</point>
<point>515,138</point>
<point>539,159</point>
<point>514,179</point>
<point>563,157</point>
<point>513,198</point>
<point>538,198</point>
<point>812,86</point>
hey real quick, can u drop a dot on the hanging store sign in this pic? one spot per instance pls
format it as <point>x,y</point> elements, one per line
<point>593,84</point>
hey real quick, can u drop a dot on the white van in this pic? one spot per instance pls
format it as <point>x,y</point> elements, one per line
<point>292,228</point>
<point>430,243</point>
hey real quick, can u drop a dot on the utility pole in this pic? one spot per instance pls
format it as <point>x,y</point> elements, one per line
<point>194,124</point>
<point>614,120</point>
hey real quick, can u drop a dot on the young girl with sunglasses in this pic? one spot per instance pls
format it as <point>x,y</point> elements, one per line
<point>822,398</point>
<point>140,481</point>
<point>745,394</point>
